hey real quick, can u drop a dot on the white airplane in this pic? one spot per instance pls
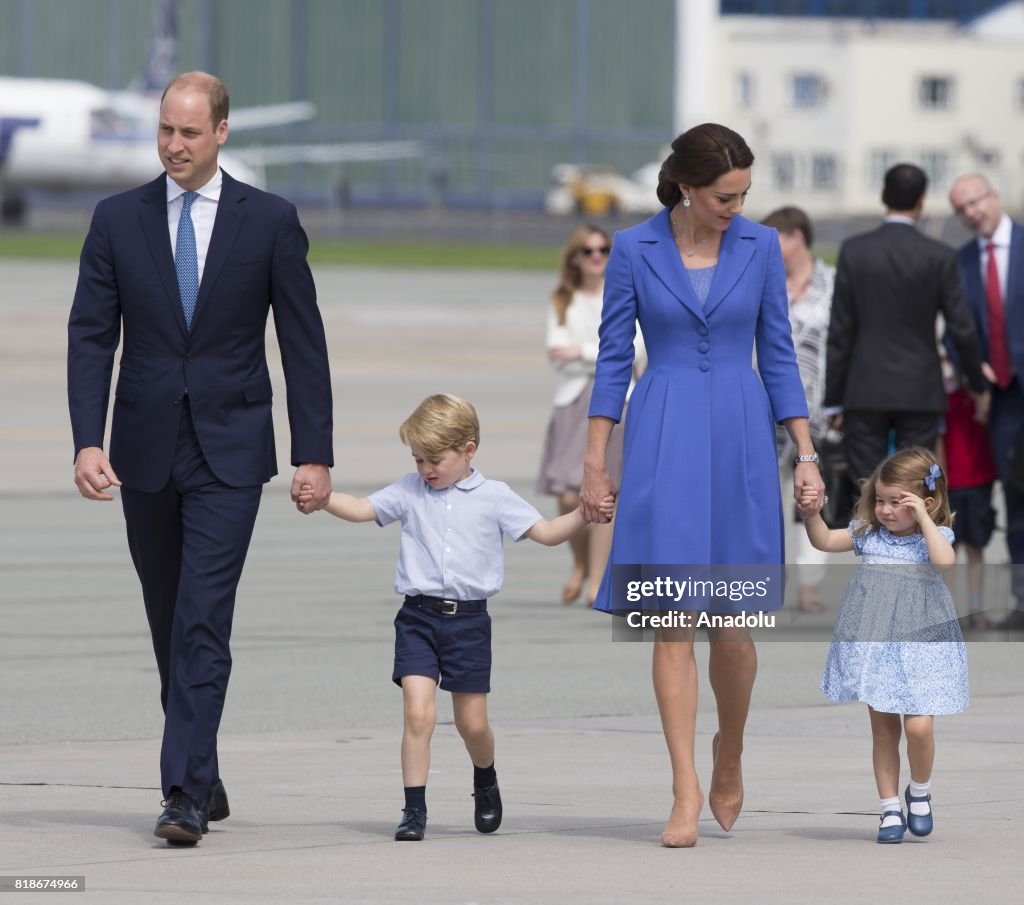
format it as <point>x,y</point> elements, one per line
<point>61,135</point>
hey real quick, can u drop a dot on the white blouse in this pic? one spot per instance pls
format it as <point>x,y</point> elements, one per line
<point>582,323</point>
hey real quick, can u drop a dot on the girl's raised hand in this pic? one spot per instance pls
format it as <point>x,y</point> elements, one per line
<point>916,505</point>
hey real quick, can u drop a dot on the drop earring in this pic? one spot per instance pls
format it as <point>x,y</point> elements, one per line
<point>686,201</point>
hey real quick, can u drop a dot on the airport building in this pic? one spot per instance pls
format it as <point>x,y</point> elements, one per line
<point>498,93</point>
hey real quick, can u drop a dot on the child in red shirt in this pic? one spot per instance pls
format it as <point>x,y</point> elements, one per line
<point>970,472</point>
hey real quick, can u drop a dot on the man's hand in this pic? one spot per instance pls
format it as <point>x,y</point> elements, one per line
<point>982,404</point>
<point>318,493</point>
<point>93,474</point>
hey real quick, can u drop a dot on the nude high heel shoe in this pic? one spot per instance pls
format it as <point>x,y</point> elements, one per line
<point>725,810</point>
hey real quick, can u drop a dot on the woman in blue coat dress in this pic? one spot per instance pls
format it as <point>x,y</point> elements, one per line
<point>700,482</point>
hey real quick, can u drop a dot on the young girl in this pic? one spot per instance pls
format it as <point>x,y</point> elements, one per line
<point>897,645</point>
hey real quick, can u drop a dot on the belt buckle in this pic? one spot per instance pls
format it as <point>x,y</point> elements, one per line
<point>445,604</point>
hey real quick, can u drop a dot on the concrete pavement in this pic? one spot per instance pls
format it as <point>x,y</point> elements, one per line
<point>310,739</point>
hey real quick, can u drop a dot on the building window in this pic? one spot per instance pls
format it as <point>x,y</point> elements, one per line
<point>881,161</point>
<point>809,90</point>
<point>823,172</point>
<point>745,90</point>
<point>935,92</point>
<point>936,166</point>
<point>784,171</point>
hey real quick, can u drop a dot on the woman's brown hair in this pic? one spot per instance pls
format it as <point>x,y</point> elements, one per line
<point>570,277</point>
<point>699,156</point>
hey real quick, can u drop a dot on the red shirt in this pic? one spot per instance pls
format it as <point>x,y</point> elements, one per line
<point>968,448</point>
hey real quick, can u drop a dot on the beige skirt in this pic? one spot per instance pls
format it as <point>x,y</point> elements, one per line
<point>561,464</point>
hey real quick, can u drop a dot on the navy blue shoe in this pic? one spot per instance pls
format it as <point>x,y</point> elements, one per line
<point>919,826</point>
<point>888,834</point>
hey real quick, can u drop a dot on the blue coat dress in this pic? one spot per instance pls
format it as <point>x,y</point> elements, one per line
<point>700,480</point>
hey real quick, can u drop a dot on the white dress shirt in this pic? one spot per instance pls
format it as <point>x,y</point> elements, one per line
<point>1001,240</point>
<point>204,212</point>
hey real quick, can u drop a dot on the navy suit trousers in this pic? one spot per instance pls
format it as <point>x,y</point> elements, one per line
<point>188,542</point>
<point>1006,423</point>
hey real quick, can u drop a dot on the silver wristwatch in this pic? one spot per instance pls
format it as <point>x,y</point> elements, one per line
<point>813,457</point>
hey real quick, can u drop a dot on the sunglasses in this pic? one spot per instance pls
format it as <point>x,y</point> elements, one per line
<point>604,251</point>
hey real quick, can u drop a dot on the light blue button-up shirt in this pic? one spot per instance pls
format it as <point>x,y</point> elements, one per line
<point>452,538</point>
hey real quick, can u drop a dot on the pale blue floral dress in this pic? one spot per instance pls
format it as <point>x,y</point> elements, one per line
<point>897,645</point>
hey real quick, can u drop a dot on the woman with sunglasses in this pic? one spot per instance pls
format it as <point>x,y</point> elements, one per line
<point>573,319</point>
<point>700,482</point>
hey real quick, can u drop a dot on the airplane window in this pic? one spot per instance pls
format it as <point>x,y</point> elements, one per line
<point>106,122</point>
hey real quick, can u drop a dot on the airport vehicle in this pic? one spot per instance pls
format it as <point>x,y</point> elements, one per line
<point>599,191</point>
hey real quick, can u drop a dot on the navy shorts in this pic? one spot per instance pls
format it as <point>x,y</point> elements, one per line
<point>456,648</point>
<point>974,516</point>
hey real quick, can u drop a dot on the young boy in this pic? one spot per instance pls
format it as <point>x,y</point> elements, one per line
<point>449,563</point>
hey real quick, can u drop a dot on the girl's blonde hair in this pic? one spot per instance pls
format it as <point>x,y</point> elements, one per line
<point>906,469</point>
<point>570,277</point>
<point>440,423</point>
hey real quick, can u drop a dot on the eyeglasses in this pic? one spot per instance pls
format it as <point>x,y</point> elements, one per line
<point>604,251</point>
<point>971,202</point>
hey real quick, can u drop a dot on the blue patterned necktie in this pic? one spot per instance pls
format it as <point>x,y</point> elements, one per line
<point>186,260</point>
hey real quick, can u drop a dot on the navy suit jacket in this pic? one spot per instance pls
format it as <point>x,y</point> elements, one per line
<point>891,283</point>
<point>256,262</point>
<point>1013,298</point>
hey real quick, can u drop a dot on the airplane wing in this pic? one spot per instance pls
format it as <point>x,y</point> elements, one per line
<point>344,152</point>
<point>245,118</point>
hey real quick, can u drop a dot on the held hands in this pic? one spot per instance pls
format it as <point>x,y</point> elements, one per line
<point>315,480</point>
<point>93,474</point>
<point>596,490</point>
<point>607,507</point>
<point>809,502</point>
<point>808,489</point>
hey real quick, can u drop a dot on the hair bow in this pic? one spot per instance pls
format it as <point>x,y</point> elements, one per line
<point>934,473</point>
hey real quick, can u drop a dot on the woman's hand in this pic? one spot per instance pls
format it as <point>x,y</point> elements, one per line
<point>806,475</point>
<point>809,502</point>
<point>595,490</point>
<point>560,355</point>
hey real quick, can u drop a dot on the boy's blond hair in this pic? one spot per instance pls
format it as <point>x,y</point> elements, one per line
<point>440,423</point>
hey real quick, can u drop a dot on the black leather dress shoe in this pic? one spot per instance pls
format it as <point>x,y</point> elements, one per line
<point>413,825</point>
<point>487,808</point>
<point>180,823</point>
<point>217,802</point>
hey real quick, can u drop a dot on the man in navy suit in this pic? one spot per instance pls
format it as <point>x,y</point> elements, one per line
<point>992,272</point>
<point>882,374</point>
<point>189,266</point>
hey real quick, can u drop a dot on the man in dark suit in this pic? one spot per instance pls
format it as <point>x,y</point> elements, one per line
<point>992,269</point>
<point>882,372</point>
<point>189,266</point>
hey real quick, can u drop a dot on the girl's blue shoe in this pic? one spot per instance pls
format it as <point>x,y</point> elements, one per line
<point>892,833</point>
<point>918,825</point>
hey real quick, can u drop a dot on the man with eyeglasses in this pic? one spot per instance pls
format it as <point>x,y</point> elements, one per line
<point>992,272</point>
